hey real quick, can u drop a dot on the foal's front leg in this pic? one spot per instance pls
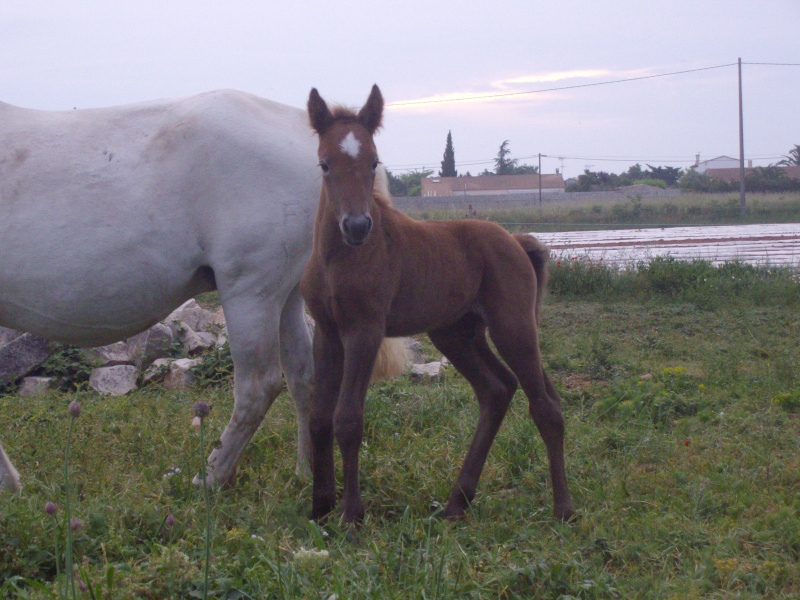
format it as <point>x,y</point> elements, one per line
<point>328,366</point>
<point>360,349</point>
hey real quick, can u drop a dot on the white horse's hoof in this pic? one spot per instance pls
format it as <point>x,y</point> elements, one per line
<point>303,470</point>
<point>211,479</point>
<point>9,477</point>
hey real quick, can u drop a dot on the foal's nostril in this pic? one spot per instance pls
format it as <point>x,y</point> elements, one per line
<point>356,228</point>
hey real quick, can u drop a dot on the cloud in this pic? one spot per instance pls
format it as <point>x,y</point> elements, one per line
<point>513,88</point>
<point>553,76</point>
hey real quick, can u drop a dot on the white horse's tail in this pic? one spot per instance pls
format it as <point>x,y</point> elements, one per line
<point>393,359</point>
<point>381,187</point>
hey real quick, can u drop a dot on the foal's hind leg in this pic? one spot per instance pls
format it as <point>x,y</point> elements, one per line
<point>517,342</point>
<point>494,385</point>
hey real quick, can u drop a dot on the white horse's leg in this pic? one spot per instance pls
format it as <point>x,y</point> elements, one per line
<point>253,325</point>
<point>9,478</point>
<point>297,362</point>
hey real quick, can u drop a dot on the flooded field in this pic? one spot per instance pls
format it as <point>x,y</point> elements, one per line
<point>754,244</point>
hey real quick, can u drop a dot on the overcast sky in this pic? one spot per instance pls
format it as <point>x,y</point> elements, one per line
<point>60,55</point>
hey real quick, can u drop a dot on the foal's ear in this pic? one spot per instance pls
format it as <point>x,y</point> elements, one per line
<point>318,112</point>
<point>371,113</point>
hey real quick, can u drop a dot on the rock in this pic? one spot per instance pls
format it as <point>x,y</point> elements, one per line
<point>8,335</point>
<point>158,370</point>
<point>21,356</point>
<point>415,349</point>
<point>33,386</point>
<point>117,353</point>
<point>116,380</point>
<point>219,318</point>
<point>431,371</point>
<point>193,316</point>
<point>150,345</point>
<point>194,342</point>
<point>178,376</point>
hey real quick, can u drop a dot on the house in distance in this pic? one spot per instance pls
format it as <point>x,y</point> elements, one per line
<point>491,185</point>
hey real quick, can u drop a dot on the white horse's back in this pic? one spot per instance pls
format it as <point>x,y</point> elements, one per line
<point>109,218</point>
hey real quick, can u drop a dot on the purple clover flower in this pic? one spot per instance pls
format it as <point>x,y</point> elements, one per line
<point>74,409</point>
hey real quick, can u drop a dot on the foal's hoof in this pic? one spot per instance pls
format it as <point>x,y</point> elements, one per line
<point>565,514</point>
<point>454,515</point>
<point>353,517</point>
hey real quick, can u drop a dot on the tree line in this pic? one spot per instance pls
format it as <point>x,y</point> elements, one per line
<point>772,178</point>
<point>410,183</point>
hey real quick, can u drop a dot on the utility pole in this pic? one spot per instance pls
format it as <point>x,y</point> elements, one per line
<point>540,180</point>
<point>742,207</point>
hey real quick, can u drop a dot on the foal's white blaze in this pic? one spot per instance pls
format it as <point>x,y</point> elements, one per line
<point>350,145</point>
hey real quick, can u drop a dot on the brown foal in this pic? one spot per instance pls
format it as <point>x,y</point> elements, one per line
<point>374,272</point>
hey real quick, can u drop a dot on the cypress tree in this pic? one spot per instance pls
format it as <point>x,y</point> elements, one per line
<point>449,162</point>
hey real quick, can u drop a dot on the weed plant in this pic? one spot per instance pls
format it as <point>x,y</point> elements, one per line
<point>680,389</point>
<point>665,279</point>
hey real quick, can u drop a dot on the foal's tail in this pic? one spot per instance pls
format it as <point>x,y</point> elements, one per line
<point>540,256</point>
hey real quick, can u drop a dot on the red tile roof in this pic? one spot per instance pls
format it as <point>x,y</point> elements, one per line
<point>733,173</point>
<point>449,186</point>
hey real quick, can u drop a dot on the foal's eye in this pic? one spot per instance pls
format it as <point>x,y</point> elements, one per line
<point>325,168</point>
<point>375,164</point>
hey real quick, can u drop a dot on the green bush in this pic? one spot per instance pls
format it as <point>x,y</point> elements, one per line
<point>216,368</point>
<point>69,365</point>
<point>665,279</point>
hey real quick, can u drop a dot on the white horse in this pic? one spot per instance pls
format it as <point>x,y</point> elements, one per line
<point>111,218</point>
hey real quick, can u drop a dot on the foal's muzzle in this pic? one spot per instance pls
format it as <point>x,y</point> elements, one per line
<point>355,228</point>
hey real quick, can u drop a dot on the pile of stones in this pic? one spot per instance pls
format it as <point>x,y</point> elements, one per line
<point>188,331</point>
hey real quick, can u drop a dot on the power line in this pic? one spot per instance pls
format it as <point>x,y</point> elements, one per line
<point>407,167</point>
<point>557,89</point>
<point>773,64</point>
<point>420,166</point>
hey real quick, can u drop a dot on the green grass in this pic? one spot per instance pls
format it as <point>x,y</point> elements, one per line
<point>683,455</point>
<point>687,209</point>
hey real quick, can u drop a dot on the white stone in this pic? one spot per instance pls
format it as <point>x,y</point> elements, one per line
<point>178,376</point>
<point>431,371</point>
<point>21,356</point>
<point>194,316</point>
<point>33,386</point>
<point>194,342</point>
<point>150,345</point>
<point>116,380</point>
<point>112,354</point>
<point>157,370</point>
<point>8,335</point>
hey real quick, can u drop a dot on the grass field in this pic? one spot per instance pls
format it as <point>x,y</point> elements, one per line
<point>681,389</point>
<point>636,211</point>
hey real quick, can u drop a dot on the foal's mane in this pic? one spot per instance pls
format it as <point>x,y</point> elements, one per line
<point>344,114</point>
